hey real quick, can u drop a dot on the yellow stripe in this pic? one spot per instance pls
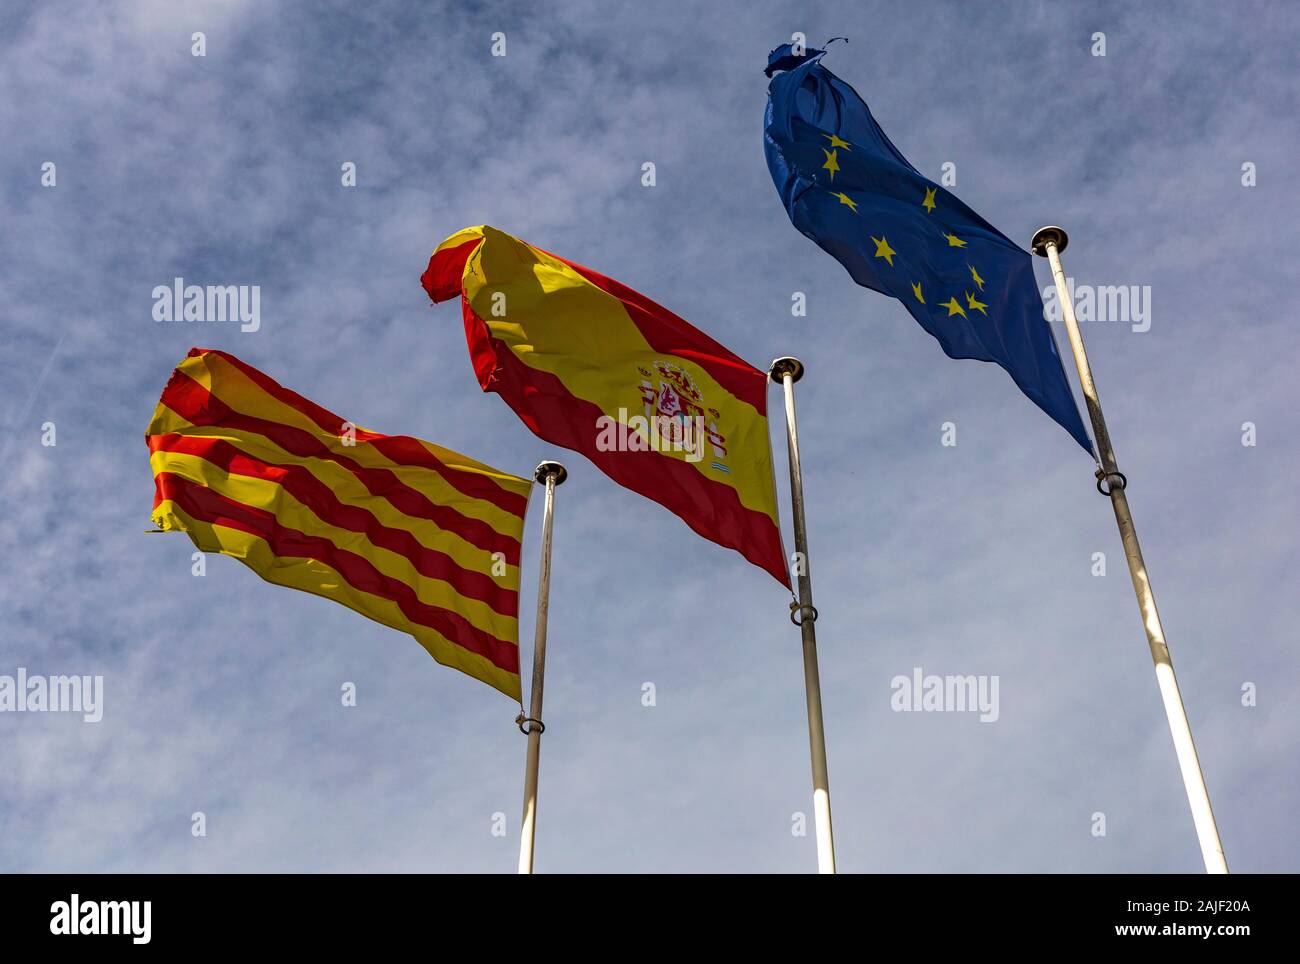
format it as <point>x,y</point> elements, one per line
<point>289,512</point>
<point>558,322</point>
<point>235,389</point>
<point>315,577</point>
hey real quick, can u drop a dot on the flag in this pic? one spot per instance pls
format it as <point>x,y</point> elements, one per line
<point>845,186</point>
<point>589,364</point>
<point>403,531</point>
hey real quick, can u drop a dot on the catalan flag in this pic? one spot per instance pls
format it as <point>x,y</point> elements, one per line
<point>590,364</point>
<point>408,533</point>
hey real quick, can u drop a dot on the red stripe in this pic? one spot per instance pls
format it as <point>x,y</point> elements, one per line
<point>200,502</point>
<point>402,449</point>
<point>540,399</point>
<point>299,482</point>
<point>194,403</point>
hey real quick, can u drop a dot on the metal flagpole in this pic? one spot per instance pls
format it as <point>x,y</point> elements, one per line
<point>787,371</point>
<point>1049,242</point>
<point>551,474</point>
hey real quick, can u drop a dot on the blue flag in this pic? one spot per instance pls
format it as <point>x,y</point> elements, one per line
<point>849,189</point>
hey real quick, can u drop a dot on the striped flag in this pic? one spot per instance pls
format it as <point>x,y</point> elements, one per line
<point>590,364</point>
<point>408,533</point>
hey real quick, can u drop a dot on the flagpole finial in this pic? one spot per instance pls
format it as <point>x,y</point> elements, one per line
<point>1051,234</point>
<point>548,470</point>
<point>785,364</point>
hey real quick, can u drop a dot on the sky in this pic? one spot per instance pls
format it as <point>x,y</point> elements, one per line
<point>221,693</point>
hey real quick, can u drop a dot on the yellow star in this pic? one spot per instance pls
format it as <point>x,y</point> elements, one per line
<point>975,305</point>
<point>953,308</point>
<point>845,199</point>
<point>954,241</point>
<point>916,290</point>
<point>836,142</point>
<point>975,276</point>
<point>928,203</point>
<point>832,162</point>
<point>883,250</point>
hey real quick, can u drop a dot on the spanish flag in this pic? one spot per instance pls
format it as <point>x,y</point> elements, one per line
<point>589,364</point>
<point>410,534</point>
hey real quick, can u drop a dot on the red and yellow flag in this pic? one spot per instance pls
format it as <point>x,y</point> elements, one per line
<point>587,363</point>
<point>403,531</point>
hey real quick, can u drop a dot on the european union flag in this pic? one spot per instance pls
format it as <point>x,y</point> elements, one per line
<point>849,189</point>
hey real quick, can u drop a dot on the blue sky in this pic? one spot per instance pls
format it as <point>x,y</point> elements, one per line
<point>222,693</point>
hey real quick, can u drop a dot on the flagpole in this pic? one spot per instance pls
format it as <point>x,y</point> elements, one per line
<point>550,474</point>
<point>786,371</point>
<point>1049,242</point>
